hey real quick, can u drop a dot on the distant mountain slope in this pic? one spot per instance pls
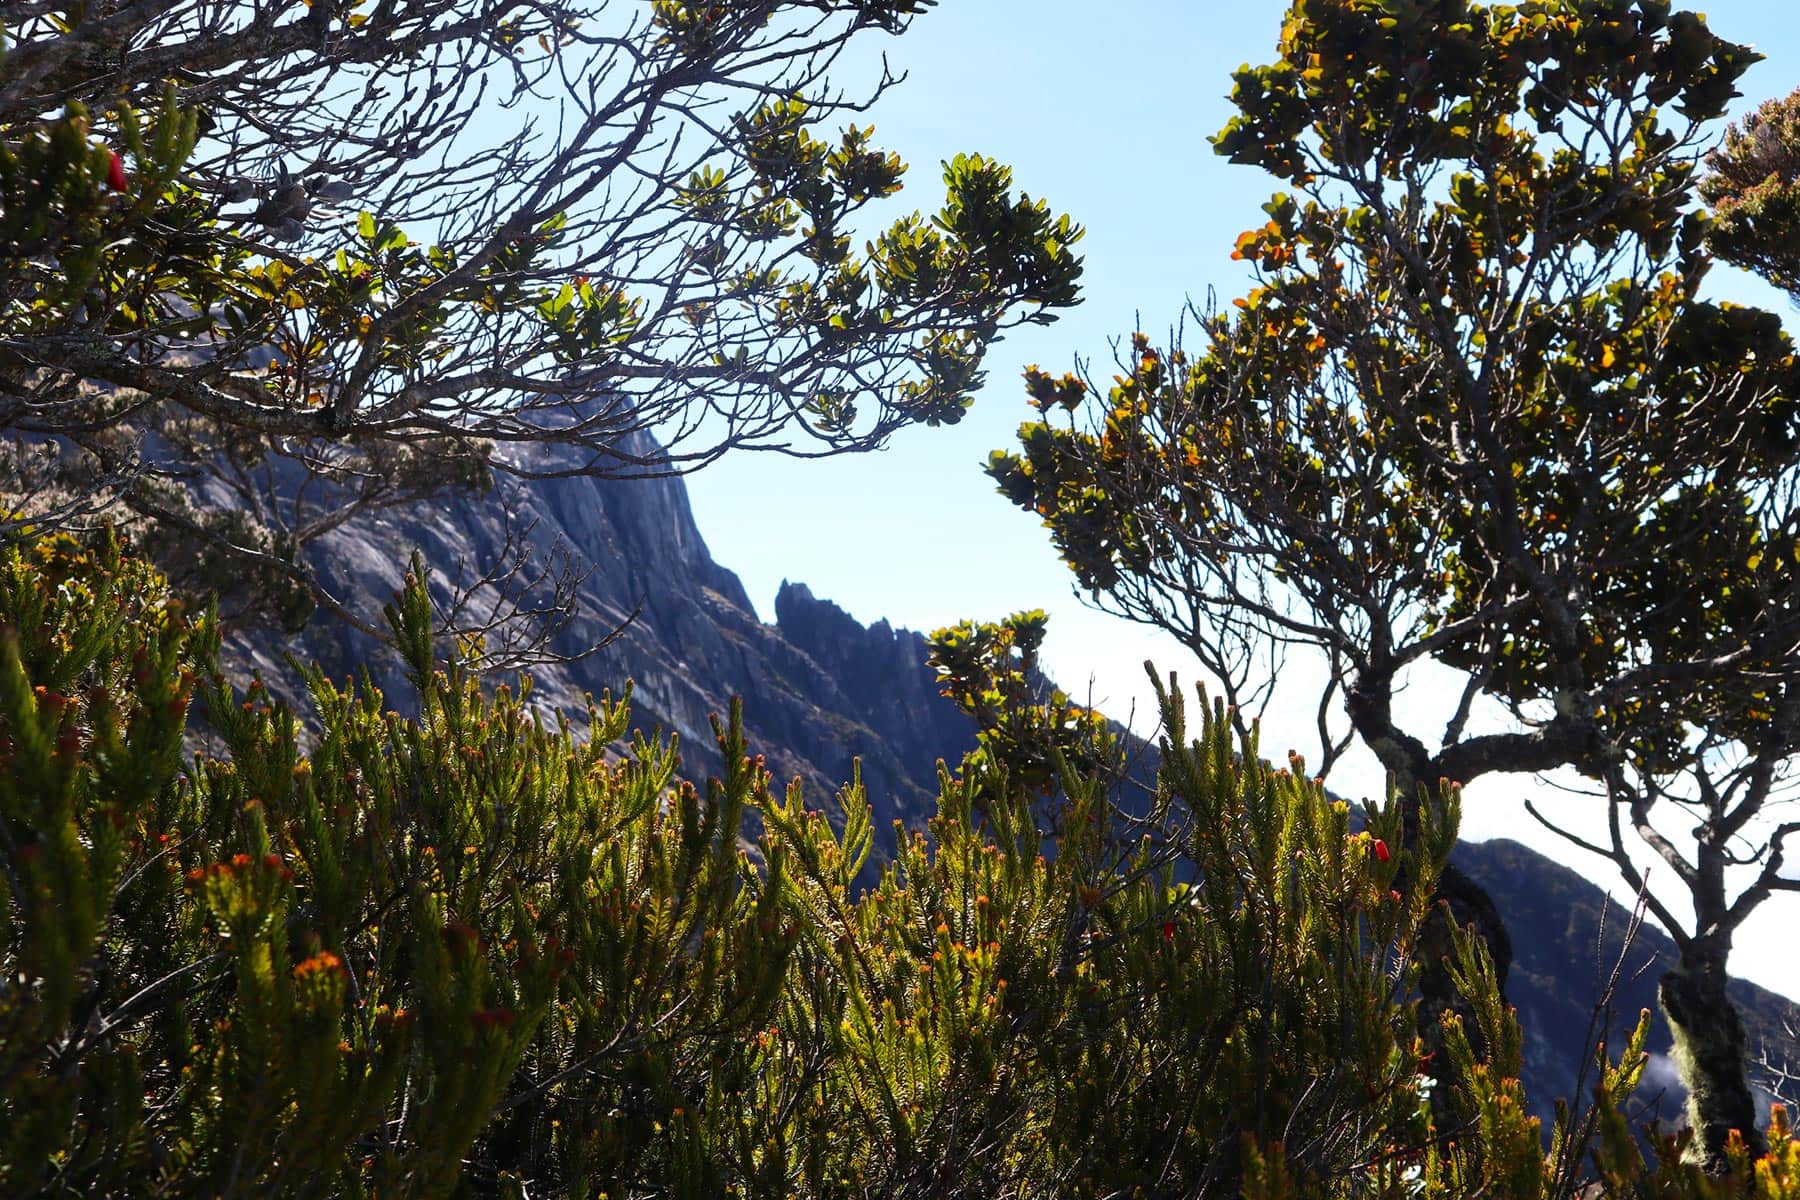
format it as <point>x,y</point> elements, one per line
<point>821,690</point>
<point>1560,963</point>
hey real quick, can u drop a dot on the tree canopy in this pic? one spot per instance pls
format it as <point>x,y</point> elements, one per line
<point>1479,410</point>
<point>1753,186</point>
<point>268,266</point>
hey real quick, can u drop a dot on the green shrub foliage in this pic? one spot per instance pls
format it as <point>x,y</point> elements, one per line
<point>1753,186</point>
<point>490,951</point>
<point>458,951</point>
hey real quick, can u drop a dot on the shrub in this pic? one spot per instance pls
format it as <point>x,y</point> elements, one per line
<point>487,951</point>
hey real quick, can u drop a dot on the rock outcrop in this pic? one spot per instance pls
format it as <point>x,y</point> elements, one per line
<point>820,691</point>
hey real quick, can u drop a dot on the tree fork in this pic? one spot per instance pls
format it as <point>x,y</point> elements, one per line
<point>1466,903</point>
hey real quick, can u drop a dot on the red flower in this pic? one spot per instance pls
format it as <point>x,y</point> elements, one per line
<point>1381,850</point>
<point>115,172</point>
<point>1168,931</point>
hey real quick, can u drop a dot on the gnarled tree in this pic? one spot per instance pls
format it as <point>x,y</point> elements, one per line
<point>266,266</point>
<point>1477,411</point>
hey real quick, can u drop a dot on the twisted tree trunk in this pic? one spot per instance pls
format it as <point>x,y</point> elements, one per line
<point>1463,904</point>
<point>1710,1052</point>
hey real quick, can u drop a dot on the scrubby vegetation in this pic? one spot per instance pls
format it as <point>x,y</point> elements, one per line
<point>482,951</point>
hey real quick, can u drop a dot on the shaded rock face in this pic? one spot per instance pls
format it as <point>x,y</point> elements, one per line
<point>880,680</point>
<point>821,691</point>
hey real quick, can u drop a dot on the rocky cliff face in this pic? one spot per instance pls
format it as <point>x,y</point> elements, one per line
<point>821,691</point>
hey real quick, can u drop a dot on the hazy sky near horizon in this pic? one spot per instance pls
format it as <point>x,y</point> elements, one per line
<point>1106,110</point>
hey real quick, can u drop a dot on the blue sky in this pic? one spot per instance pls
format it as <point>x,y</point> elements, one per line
<point>1106,110</point>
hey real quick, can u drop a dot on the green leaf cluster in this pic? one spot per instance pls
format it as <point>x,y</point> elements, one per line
<point>81,205</point>
<point>1753,187</point>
